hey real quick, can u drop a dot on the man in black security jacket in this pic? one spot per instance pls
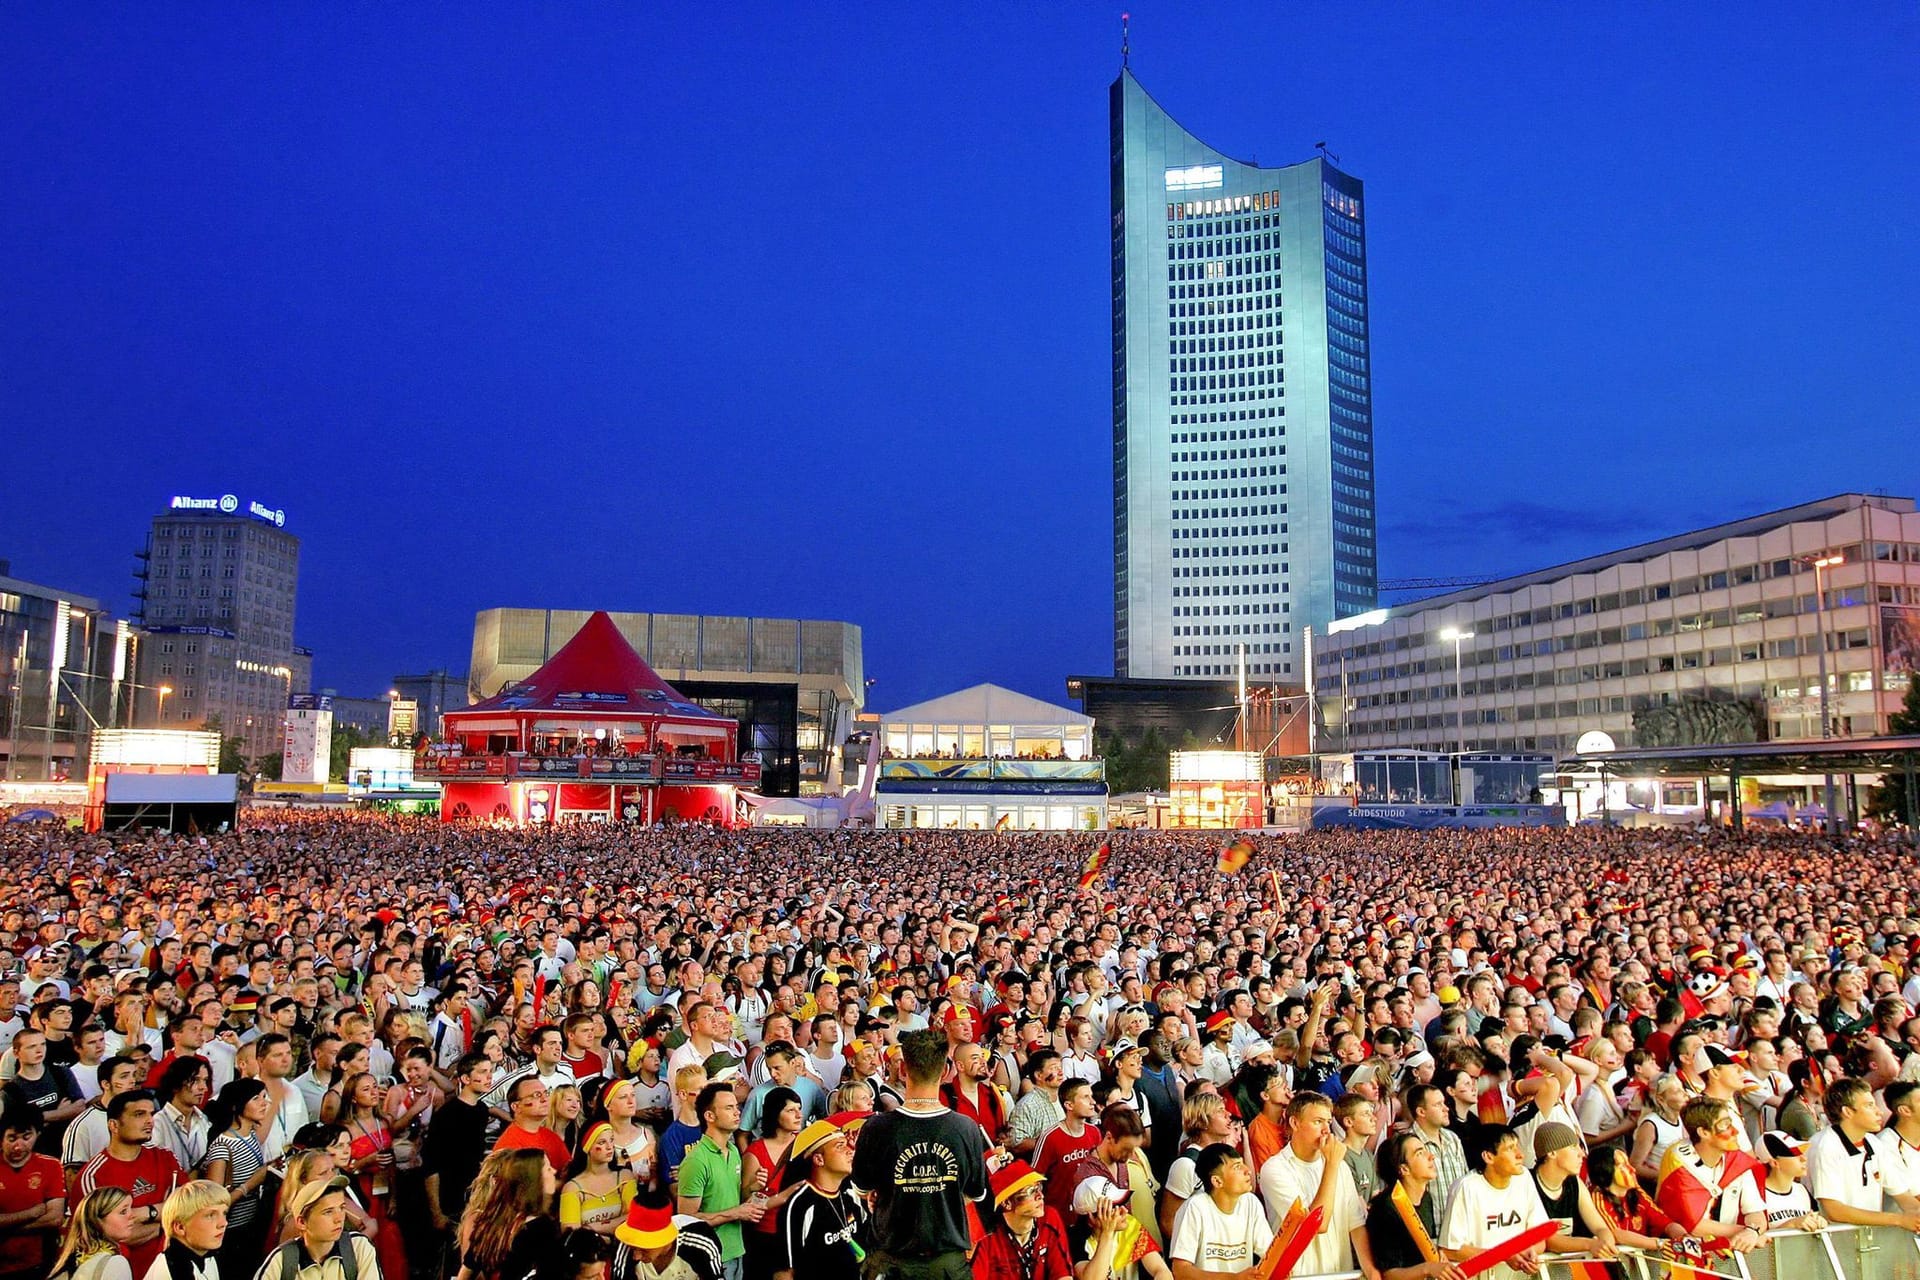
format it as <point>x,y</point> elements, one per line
<point>923,1162</point>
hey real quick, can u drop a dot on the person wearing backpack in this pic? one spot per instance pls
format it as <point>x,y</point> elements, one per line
<point>324,1249</point>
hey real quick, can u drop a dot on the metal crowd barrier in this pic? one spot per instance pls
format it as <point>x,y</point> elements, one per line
<point>1838,1253</point>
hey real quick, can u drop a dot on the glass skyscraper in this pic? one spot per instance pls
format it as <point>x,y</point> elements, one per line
<point>1243,482</point>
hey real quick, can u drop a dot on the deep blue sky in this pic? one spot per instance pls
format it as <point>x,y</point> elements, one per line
<point>804,310</point>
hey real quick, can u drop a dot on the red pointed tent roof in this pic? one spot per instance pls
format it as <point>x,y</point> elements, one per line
<point>595,673</point>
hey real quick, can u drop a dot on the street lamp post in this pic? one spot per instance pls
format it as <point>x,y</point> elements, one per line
<point>1457,635</point>
<point>1820,565</point>
<point>165,689</point>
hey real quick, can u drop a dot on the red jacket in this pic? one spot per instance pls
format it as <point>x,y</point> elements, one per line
<point>989,1112</point>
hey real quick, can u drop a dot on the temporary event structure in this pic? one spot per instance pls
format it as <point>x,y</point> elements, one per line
<point>594,735</point>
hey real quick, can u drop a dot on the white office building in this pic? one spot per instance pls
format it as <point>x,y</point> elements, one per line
<point>1710,636</point>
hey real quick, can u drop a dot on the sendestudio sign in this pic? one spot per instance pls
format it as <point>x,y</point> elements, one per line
<point>227,504</point>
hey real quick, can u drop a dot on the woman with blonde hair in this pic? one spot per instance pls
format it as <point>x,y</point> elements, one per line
<point>563,1114</point>
<point>330,1151</point>
<point>1659,1126</point>
<point>99,1226</point>
<point>302,1168</point>
<point>853,1096</point>
<point>507,1230</point>
<point>1188,1055</point>
<point>633,1143</point>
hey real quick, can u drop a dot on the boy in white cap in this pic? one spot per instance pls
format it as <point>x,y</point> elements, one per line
<point>1789,1202</point>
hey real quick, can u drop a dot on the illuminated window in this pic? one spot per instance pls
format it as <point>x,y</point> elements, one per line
<point>1199,177</point>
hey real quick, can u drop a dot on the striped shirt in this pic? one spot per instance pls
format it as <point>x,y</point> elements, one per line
<point>86,1137</point>
<point>243,1158</point>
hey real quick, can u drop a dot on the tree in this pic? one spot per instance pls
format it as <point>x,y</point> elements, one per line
<point>345,738</point>
<point>233,757</point>
<point>1138,767</point>
<point>1155,765</point>
<point>1888,801</point>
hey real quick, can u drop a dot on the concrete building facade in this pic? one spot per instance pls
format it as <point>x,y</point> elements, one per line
<point>433,694</point>
<point>65,668</point>
<point>219,582</point>
<point>1713,635</point>
<point>793,685</point>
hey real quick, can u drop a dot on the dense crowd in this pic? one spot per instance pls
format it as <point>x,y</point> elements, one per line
<point>369,1048</point>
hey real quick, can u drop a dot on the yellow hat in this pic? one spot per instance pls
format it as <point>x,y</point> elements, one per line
<point>815,1136</point>
<point>649,1225</point>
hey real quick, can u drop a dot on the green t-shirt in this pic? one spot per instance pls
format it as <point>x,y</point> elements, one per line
<point>713,1175</point>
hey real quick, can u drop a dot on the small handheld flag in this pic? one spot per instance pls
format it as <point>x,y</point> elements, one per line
<point>1096,863</point>
<point>1235,856</point>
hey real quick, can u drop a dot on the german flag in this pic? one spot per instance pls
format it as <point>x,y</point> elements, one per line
<point>1235,856</point>
<point>1581,1269</point>
<point>1096,863</point>
<point>1686,1189</point>
<point>1005,821</point>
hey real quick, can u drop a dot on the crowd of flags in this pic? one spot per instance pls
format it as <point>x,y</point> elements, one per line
<point>1234,857</point>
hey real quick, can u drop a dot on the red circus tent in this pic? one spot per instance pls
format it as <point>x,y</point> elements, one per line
<point>594,734</point>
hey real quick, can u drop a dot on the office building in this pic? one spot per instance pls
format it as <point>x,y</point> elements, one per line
<point>219,578</point>
<point>433,694</point>
<point>1710,636</point>
<point>370,717</point>
<point>1243,478</point>
<point>64,660</point>
<point>793,686</point>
